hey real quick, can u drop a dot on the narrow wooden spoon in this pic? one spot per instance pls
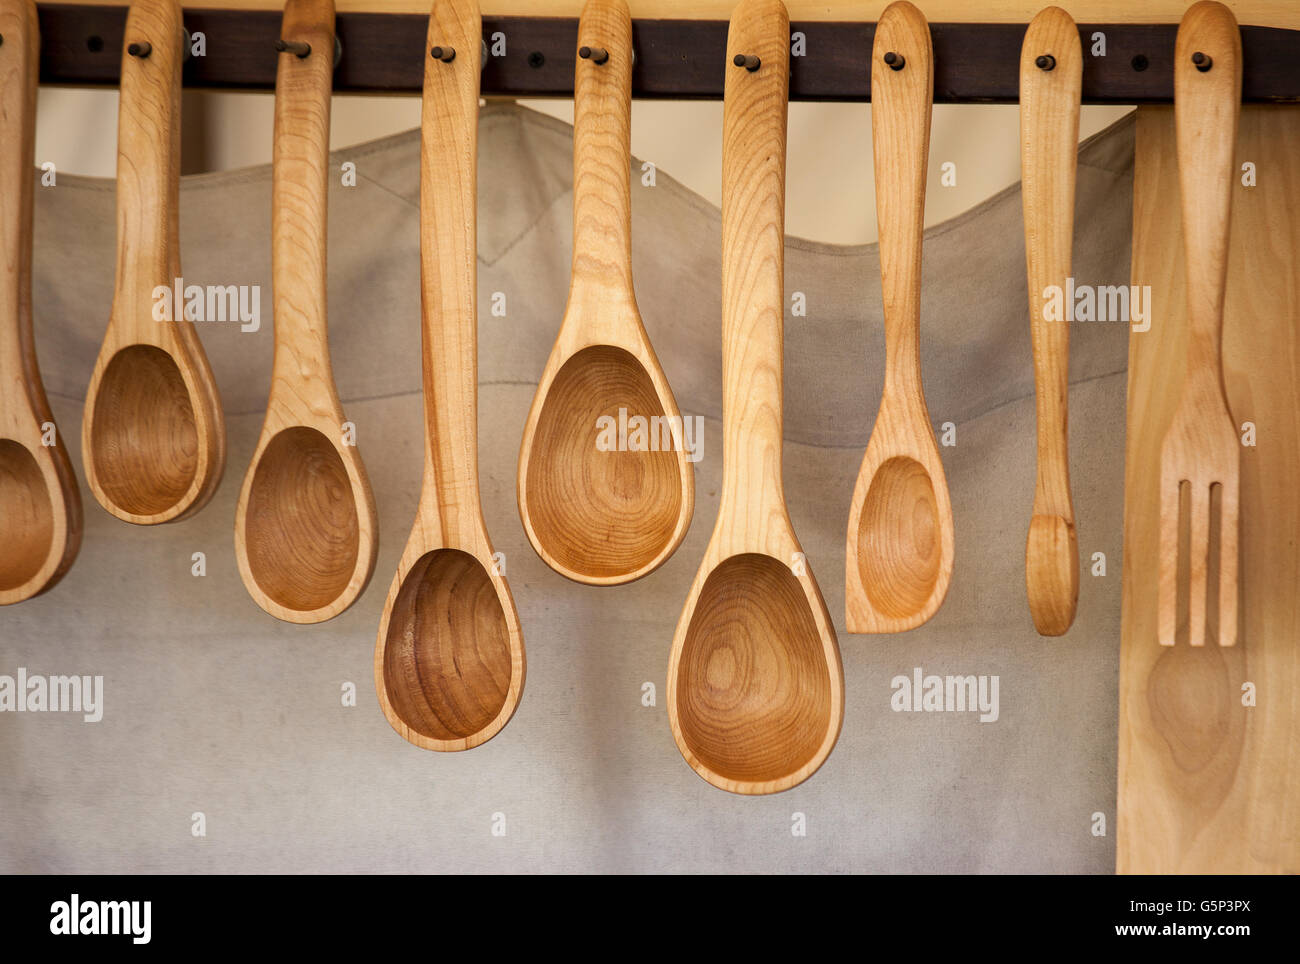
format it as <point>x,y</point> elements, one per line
<point>1051,82</point>
<point>899,549</point>
<point>755,688</point>
<point>153,438</point>
<point>305,528</point>
<point>449,661</point>
<point>40,505</point>
<point>597,516</point>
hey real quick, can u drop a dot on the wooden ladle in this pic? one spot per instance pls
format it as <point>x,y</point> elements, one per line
<point>153,438</point>
<point>597,516</point>
<point>40,506</point>
<point>900,537</point>
<point>755,688</point>
<point>305,527</point>
<point>1051,82</point>
<point>449,661</point>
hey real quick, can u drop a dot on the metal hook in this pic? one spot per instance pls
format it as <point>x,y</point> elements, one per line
<point>298,48</point>
<point>749,61</point>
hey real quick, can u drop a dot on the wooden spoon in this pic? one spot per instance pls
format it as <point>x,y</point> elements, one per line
<point>40,505</point>
<point>449,661</point>
<point>899,555</point>
<point>755,688</point>
<point>1051,81</point>
<point>153,439</point>
<point>305,528</point>
<point>596,516</point>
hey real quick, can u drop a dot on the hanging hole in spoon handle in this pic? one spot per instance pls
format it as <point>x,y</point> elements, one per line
<point>1049,136</point>
<point>449,656</point>
<point>596,510</point>
<point>40,505</point>
<point>305,525</point>
<point>755,686</point>
<point>899,545</point>
<point>153,437</point>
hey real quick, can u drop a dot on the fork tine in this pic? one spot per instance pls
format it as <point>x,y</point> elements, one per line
<point>1167,602</point>
<point>1229,534</point>
<point>1198,545</point>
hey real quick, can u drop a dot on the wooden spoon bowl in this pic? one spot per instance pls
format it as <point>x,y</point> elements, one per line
<point>40,505</point>
<point>898,546</point>
<point>599,513</point>
<point>447,659</point>
<point>602,517</point>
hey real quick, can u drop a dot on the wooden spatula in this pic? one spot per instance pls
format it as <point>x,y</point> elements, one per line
<point>1199,457</point>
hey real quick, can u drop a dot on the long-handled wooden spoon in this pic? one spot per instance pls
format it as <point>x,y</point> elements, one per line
<point>449,661</point>
<point>755,688</point>
<point>1200,456</point>
<point>40,506</point>
<point>153,438</point>
<point>899,549</point>
<point>305,528</point>
<point>598,516</point>
<point>1051,81</point>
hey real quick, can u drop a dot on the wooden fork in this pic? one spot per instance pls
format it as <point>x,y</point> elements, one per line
<point>1200,447</point>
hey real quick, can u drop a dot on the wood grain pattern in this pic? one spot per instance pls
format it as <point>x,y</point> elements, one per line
<point>1278,13</point>
<point>755,686</point>
<point>1207,785</point>
<point>1049,138</point>
<point>1200,454</point>
<point>153,438</point>
<point>596,516</point>
<point>40,504</point>
<point>449,659</point>
<point>900,536</point>
<point>305,525</point>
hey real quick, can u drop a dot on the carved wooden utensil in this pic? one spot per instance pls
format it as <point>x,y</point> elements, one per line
<point>305,527</point>
<point>899,549</point>
<point>602,517</point>
<point>1051,81</point>
<point>449,661</point>
<point>40,505</point>
<point>153,439</point>
<point>1200,454</point>
<point>755,688</point>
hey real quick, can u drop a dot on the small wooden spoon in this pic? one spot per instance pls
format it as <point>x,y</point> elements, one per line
<point>40,505</point>
<point>153,439</point>
<point>755,688</point>
<point>603,517</point>
<point>305,527</point>
<point>449,661</point>
<point>1051,81</point>
<point>899,556</point>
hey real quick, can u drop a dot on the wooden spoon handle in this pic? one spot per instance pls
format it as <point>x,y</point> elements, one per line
<point>602,146</point>
<point>18,74</point>
<point>902,91</point>
<point>148,159</point>
<point>300,193</point>
<point>1207,102</point>
<point>448,270</point>
<point>755,106</point>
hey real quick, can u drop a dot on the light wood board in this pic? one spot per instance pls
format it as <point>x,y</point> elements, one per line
<point>1207,785</point>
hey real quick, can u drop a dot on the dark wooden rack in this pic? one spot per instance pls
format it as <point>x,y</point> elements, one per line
<point>383,53</point>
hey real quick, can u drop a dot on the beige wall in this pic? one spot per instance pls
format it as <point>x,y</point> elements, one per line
<point>830,190</point>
